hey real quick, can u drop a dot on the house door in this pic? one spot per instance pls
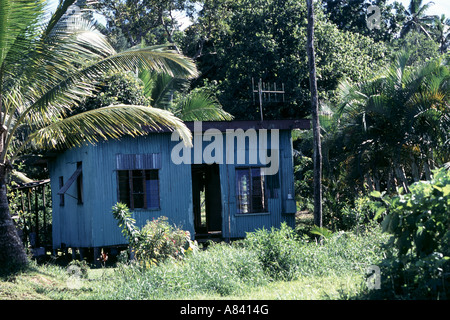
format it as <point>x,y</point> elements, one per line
<point>207,200</point>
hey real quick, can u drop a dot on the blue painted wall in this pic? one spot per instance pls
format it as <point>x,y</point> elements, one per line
<point>91,224</point>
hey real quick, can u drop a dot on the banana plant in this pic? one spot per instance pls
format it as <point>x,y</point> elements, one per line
<point>49,63</point>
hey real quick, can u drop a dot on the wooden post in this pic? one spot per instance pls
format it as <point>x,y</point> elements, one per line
<point>44,239</point>
<point>96,256</point>
<point>315,117</point>
<point>36,209</point>
<point>30,222</point>
<point>22,202</point>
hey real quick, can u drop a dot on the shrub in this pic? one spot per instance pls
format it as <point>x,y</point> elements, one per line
<point>286,257</point>
<point>276,249</point>
<point>358,216</point>
<point>155,242</point>
<point>419,253</point>
<point>162,240</point>
<point>227,270</point>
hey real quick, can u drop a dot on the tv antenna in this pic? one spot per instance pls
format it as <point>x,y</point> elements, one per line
<point>266,92</point>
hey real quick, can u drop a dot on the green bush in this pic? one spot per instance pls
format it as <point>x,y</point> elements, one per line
<point>358,216</point>
<point>418,265</point>
<point>162,241</point>
<point>277,250</point>
<point>286,257</point>
<point>155,242</point>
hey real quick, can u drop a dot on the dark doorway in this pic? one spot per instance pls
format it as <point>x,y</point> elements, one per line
<point>207,201</point>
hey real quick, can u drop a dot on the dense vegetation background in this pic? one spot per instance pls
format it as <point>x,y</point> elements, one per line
<point>385,118</point>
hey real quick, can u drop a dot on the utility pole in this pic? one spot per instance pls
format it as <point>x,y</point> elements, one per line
<point>317,158</point>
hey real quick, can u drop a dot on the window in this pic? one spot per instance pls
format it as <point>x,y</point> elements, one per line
<point>250,191</point>
<point>139,189</point>
<point>80,183</point>
<point>61,196</point>
<point>64,187</point>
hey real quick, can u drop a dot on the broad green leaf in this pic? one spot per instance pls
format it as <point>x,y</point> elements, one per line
<point>376,194</point>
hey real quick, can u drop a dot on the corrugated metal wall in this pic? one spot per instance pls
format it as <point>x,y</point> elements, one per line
<point>280,209</point>
<point>91,224</point>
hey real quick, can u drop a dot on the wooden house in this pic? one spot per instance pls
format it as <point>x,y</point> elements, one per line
<point>215,189</point>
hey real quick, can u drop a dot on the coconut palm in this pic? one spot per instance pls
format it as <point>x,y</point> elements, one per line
<point>442,30</point>
<point>48,64</point>
<point>397,125</point>
<point>417,19</point>
<point>171,93</point>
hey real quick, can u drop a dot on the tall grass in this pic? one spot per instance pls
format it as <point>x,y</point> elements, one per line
<point>265,257</point>
<point>221,270</point>
<point>268,264</point>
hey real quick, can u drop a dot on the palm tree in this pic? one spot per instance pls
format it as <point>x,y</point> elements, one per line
<point>170,93</point>
<point>442,29</point>
<point>47,66</point>
<point>417,19</point>
<point>401,116</point>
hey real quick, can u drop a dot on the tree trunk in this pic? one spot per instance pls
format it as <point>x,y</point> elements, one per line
<point>400,173</point>
<point>414,169</point>
<point>426,168</point>
<point>315,118</point>
<point>12,251</point>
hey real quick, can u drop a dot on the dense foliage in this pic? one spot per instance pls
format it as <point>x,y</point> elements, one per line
<point>267,40</point>
<point>418,261</point>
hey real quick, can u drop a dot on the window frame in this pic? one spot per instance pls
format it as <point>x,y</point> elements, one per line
<point>264,193</point>
<point>80,184</point>
<point>61,196</point>
<point>130,190</point>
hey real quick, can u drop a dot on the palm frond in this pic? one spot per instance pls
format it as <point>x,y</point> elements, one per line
<point>160,58</point>
<point>49,65</point>
<point>157,58</point>
<point>160,87</point>
<point>18,19</point>
<point>60,11</point>
<point>101,124</point>
<point>48,68</point>
<point>199,106</point>
<point>351,97</point>
<point>69,91</point>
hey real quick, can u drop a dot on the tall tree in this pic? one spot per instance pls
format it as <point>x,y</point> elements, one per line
<point>267,39</point>
<point>317,159</point>
<point>441,29</point>
<point>46,68</point>
<point>132,22</point>
<point>417,19</point>
<point>351,15</point>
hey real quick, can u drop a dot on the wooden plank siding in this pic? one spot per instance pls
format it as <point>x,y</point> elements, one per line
<point>91,224</point>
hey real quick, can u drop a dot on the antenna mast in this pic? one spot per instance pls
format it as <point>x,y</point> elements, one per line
<point>265,92</point>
